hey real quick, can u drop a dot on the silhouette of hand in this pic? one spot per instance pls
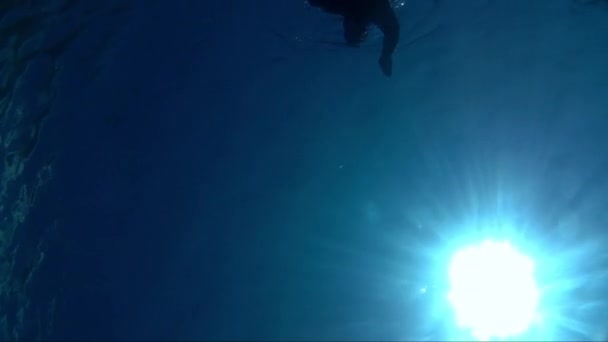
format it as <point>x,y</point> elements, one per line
<point>386,64</point>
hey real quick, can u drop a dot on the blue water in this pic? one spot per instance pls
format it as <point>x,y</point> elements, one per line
<point>221,170</point>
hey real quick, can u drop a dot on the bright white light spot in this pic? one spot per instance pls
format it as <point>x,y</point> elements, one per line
<point>493,290</point>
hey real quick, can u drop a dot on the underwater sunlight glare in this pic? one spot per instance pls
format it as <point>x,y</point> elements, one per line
<point>492,290</point>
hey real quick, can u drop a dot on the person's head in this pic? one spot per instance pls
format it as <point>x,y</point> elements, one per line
<point>355,30</point>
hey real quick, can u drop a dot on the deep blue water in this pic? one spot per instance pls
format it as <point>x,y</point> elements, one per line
<point>222,171</point>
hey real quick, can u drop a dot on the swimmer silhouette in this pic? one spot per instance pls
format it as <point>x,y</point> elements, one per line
<point>358,15</point>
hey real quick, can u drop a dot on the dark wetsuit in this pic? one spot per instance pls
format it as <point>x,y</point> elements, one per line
<point>363,13</point>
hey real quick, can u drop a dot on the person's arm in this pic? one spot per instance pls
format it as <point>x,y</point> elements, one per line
<point>387,22</point>
<point>384,17</point>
